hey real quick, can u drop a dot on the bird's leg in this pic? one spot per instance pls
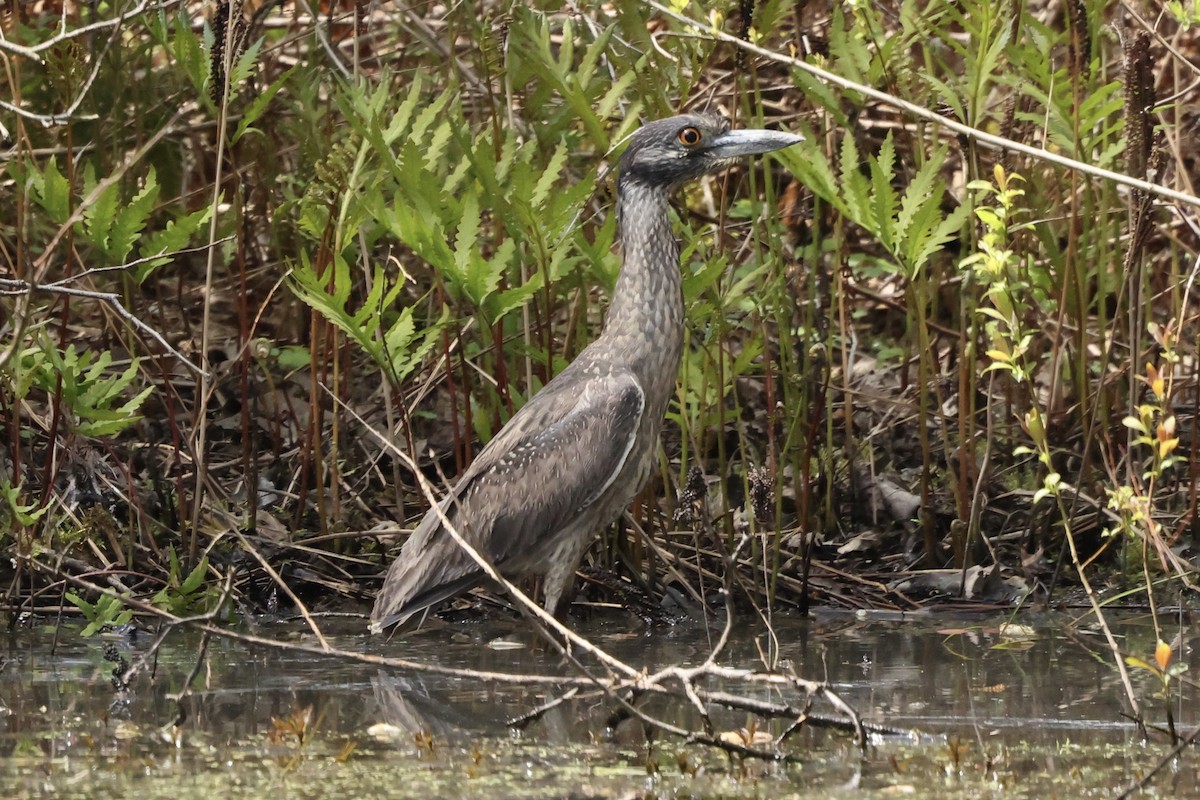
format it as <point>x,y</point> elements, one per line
<point>559,579</point>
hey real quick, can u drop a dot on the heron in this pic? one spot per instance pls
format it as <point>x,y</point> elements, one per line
<point>573,458</point>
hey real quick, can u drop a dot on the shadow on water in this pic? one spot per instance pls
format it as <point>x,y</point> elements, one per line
<point>1021,711</point>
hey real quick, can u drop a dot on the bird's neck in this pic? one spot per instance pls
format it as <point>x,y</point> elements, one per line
<point>647,303</point>
<point>645,319</point>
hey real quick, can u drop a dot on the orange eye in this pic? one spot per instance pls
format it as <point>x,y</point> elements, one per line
<point>689,137</point>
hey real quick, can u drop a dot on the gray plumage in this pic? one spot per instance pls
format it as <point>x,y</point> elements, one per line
<point>571,460</point>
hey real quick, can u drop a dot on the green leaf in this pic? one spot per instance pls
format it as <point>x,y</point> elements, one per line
<point>946,231</point>
<point>293,357</point>
<point>591,57</point>
<point>88,609</point>
<point>431,114</point>
<point>172,563</point>
<point>1138,663</point>
<point>503,302</point>
<point>399,121</point>
<point>998,355</point>
<point>107,611</point>
<point>989,218</point>
<point>883,173</point>
<point>244,66</point>
<point>854,184</point>
<point>485,274</point>
<point>53,193</point>
<point>192,56</point>
<point>807,162</point>
<point>465,241</point>
<point>549,177</point>
<point>258,105</point>
<point>100,215</point>
<point>23,513</point>
<point>132,219</point>
<point>697,282</point>
<point>920,192</point>
<point>162,244</point>
<point>329,294</point>
<point>192,582</point>
<point>848,50</point>
<point>1134,423</point>
<point>94,404</point>
<point>414,221</point>
<point>816,91</point>
<point>948,95</point>
<point>619,90</point>
<point>406,348</point>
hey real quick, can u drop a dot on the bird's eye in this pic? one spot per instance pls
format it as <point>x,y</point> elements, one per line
<point>689,137</point>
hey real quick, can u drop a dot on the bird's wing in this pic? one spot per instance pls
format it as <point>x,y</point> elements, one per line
<point>557,471</point>
<point>552,461</point>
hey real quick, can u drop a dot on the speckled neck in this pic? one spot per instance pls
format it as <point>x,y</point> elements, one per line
<point>645,320</point>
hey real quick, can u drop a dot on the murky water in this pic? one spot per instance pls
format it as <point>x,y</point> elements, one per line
<point>1033,711</point>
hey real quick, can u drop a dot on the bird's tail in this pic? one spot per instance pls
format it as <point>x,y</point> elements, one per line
<point>430,568</point>
<point>396,603</point>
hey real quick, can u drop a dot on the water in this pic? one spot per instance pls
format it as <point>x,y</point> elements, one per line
<point>978,710</point>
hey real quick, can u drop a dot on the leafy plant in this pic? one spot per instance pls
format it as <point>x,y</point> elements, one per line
<point>97,397</point>
<point>113,223</point>
<point>107,612</point>
<point>185,594</point>
<point>1164,672</point>
<point>19,514</point>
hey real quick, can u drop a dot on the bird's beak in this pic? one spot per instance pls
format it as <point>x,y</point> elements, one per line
<point>736,143</point>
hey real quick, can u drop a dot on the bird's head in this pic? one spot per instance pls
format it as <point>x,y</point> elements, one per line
<point>672,151</point>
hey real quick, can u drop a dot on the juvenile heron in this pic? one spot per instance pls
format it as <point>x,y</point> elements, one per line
<point>575,455</point>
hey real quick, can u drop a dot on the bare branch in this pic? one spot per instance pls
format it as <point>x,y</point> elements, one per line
<point>34,52</point>
<point>10,286</point>
<point>921,112</point>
